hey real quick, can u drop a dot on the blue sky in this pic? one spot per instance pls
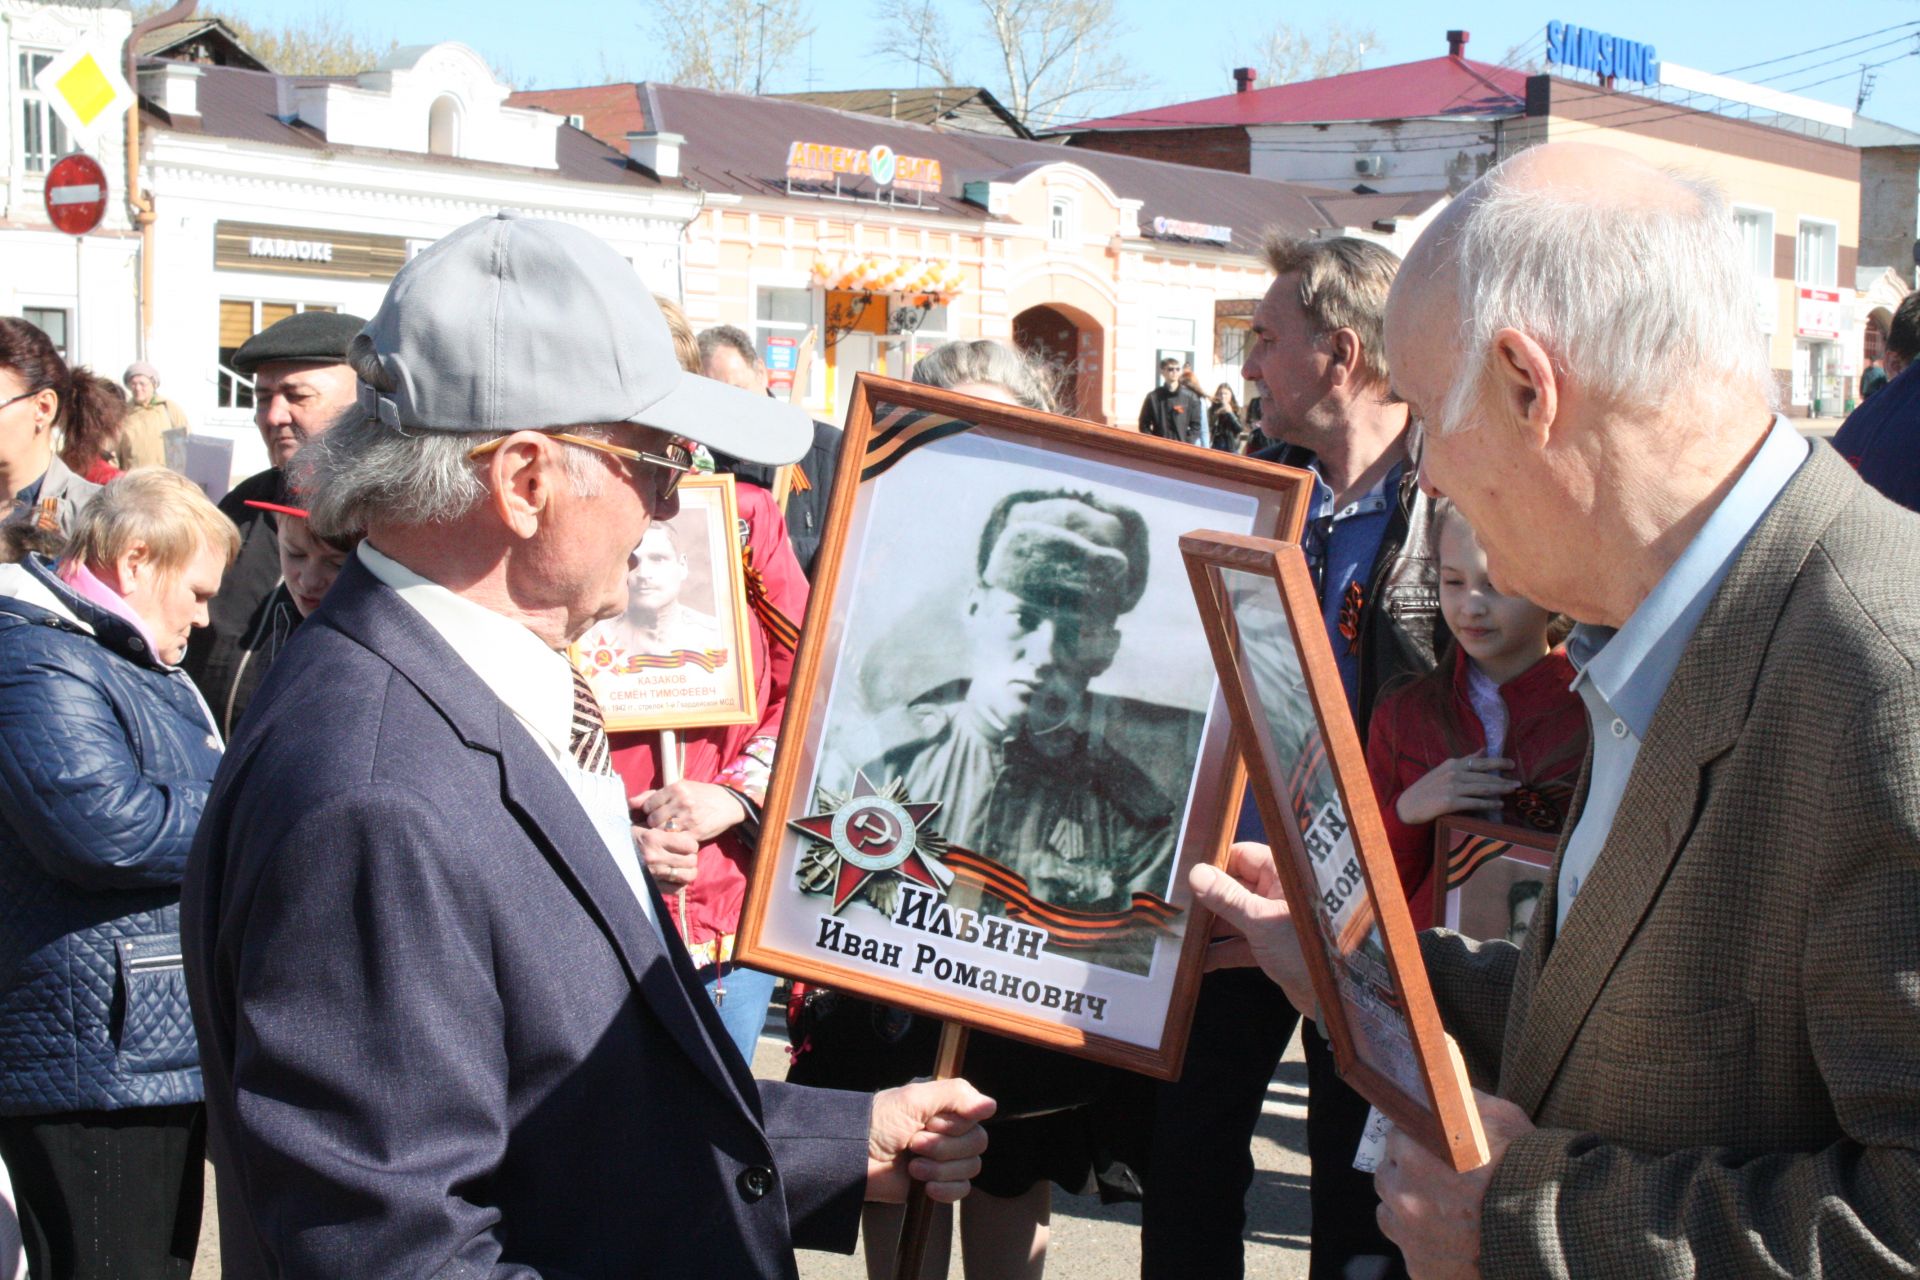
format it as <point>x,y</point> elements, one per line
<point>1184,52</point>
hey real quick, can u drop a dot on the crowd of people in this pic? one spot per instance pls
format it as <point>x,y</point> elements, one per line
<point>319,862</point>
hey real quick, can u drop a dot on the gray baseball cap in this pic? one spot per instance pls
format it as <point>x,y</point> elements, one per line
<point>516,324</point>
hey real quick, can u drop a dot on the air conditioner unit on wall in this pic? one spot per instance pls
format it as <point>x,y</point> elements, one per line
<point>1370,166</point>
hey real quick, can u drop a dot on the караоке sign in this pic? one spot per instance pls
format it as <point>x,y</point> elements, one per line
<point>306,251</point>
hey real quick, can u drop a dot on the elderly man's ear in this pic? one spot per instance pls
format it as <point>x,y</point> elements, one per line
<point>523,471</point>
<point>1526,387</point>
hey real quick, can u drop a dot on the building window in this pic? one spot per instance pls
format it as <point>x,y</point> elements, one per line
<point>1060,219</point>
<point>1816,255</point>
<point>443,126</point>
<point>1755,227</point>
<point>51,321</point>
<point>240,319</point>
<point>43,138</point>
<point>785,314</point>
<point>578,122</point>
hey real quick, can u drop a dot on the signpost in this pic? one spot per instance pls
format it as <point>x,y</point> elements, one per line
<point>76,193</point>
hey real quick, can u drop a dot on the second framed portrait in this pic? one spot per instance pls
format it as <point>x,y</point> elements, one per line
<point>679,656</point>
<point>1005,742</point>
<point>1491,877</point>
<point>1264,621</point>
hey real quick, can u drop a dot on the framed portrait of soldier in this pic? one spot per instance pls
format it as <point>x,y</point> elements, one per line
<point>679,655</point>
<point>1491,877</point>
<point>1309,777</point>
<point>1005,743</point>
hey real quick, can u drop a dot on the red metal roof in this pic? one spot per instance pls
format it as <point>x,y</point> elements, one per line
<point>607,111</point>
<point>1446,86</point>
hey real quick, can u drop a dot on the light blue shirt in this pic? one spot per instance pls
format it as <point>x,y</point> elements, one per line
<point>1623,674</point>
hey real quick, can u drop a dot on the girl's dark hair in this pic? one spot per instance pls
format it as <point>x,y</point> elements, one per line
<point>90,406</point>
<point>91,415</point>
<point>1233,402</point>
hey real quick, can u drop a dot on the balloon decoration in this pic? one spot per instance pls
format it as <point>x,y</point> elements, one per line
<point>928,281</point>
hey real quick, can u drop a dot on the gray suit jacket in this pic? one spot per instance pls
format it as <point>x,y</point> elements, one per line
<point>1722,1048</point>
<point>66,493</point>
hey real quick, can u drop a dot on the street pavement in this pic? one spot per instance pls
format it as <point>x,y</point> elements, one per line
<point>1091,1241</point>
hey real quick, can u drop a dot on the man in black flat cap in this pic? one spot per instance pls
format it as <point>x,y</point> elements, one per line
<point>301,383</point>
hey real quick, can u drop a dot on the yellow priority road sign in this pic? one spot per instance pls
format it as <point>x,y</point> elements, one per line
<point>85,87</point>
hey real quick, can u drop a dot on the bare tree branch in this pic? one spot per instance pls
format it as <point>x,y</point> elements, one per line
<point>734,45</point>
<point>1291,53</point>
<point>1050,55</point>
<point>919,37</point>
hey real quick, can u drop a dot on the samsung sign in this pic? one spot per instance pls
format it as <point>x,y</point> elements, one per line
<point>1602,54</point>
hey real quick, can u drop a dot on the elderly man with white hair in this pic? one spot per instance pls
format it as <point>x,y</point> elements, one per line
<point>446,1026</point>
<point>1702,1061</point>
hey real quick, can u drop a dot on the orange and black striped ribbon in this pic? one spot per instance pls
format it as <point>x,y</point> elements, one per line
<point>1469,853</point>
<point>708,660</point>
<point>1068,929</point>
<point>800,483</point>
<point>898,431</point>
<point>781,629</point>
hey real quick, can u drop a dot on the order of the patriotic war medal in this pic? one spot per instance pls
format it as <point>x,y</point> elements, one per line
<point>868,842</point>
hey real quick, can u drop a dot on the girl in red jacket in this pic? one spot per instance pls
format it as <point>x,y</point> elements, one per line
<point>1495,732</point>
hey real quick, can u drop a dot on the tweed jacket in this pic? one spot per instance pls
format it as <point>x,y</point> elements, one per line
<point>1721,1048</point>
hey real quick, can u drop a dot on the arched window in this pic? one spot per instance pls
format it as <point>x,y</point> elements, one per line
<point>443,127</point>
<point>1061,223</point>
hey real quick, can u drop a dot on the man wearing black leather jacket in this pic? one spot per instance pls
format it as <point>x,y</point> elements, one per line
<point>1326,405</point>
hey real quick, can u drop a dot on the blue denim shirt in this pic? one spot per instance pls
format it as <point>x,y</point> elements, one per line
<point>1623,674</point>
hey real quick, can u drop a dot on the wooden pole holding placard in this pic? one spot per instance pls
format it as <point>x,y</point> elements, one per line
<point>670,773</point>
<point>912,1250</point>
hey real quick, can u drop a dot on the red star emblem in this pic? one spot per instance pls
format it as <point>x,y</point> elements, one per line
<point>874,834</point>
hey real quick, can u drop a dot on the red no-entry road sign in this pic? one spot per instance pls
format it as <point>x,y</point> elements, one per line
<point>76,193</point>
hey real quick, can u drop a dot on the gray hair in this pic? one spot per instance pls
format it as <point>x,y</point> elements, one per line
<point>984,360</point>
<point>361,472</point>
<point>1633,301</point>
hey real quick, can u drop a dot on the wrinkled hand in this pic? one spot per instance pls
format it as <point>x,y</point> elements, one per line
<point>1430,1211</point>
<point>1248,898</point>
<point>928,1131</point>
<point>703,809</point>
<point>672,856</point>
<point>1465,784</point>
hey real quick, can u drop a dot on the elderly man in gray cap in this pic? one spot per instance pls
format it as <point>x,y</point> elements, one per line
<point>301,383</point>
<point>443,1029</point>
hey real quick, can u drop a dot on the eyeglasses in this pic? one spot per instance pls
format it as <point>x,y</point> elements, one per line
<point>24,395</point>
<point>677,462</point>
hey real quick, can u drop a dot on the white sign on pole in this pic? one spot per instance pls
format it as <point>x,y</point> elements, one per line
<point>85,88</point>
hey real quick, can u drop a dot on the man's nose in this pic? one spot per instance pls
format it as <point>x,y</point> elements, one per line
<point>1426,479</point>
<point>272,412</point>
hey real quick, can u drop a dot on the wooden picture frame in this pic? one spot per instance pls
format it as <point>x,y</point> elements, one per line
<point>1046,898</point>
<point>1489,877</point>
<point>694,667</point>
<point>1264,622</point>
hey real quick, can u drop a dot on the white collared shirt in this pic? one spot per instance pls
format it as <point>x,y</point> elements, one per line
<point>1623,675</point>
<point>536,684</point>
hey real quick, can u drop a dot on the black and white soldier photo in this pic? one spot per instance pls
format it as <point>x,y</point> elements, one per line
<point>1010,749</point>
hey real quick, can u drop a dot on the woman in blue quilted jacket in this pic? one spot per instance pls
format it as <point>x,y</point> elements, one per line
<point>106,756</point>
